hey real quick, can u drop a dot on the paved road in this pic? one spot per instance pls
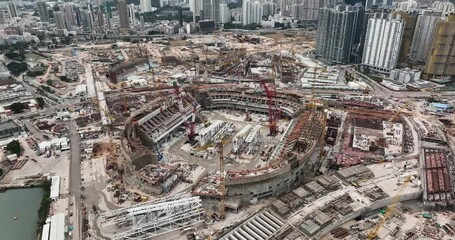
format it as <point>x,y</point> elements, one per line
<point>75,179</point>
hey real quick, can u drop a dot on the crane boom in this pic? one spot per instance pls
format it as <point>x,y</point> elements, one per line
<point>272,122</point>
<point>390,210</point>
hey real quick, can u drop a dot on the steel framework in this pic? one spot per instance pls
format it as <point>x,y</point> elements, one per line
<point>154,218</point>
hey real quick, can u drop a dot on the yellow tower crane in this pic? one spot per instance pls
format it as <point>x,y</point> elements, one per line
<point>390,210</point>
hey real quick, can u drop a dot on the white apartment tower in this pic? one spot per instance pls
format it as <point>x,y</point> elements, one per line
<point>131,13</point>
<point>59,20</point>
<point>445,7</point>
<point>196,7</point>
<point>69,14</point>
<point>225,16</point>
<point>269,8</point>
<point>252,12</point>
<point>383,42</point>
<point>146,6</point>
<point>423,34</point>
<point>12,9</point>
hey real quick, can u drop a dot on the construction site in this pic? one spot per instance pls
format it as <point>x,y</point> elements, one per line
<point>207,127</point>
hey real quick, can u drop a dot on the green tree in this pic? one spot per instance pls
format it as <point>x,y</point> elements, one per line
<point>15,56</point>
<point>49,82</point>
<point>65,78</point>
<point>17,68</point>
<point>17,107</point>
<point>40,102</point>
<point>14,147</point>
<point>65,40</point>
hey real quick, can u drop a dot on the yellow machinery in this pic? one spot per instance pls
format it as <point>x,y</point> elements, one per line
<point>390,210</point>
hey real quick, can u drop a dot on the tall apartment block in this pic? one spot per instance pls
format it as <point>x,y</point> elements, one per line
<point>123,15</point>
<point>423,34</point>
<point>252,12</point>
<point>59,19</point>
<point>410,19</point>
<point>12,9</point>
<point>338,32</point>
<point>383,42</point>
<point>441,56</point>
<point>43,12</point>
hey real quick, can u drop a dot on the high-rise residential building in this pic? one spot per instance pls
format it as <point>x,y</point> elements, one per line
<point>131,12</point>
<point>338,32</point>
<point>195,8</point>
<point>216,10</point>
<point>12,9</point>
<point>69,14</point>
<point>97,2</point>
<point>2,18</point>
<point>407,5</point>
<point>78,16</point>
<point>43,12</point>
<point>441,56</point>
<point>146,6</point>
<point>59,19</point>
<point>252,12</point>
<point>100,18</point>
<point>92,13</point>
<point>124,19</point>
<point>409,19</point>
<point>108,21</point>
<point>208,7</point>
<point>445,7</point>
<point>378,3</point>
<point>383,42</point>
<point>307,10</point>
<point>86,20</point>
<point>269,8</point>
<point>423,34</point>
<point>225,16</point>
<point>107,8</point>
<point>141,18</point>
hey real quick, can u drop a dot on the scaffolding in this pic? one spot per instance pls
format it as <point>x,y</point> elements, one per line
<point>155,217</point>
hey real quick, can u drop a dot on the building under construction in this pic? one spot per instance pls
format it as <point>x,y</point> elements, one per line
<point>288,162</point>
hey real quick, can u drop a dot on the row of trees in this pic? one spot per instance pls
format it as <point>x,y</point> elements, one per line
<point>19,107</point>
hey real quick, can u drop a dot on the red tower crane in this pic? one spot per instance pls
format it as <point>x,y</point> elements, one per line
<point>189,126</point>
<point>272,117</point>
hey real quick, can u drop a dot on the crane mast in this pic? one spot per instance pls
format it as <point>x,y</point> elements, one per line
<point>188,126</point>
<point>222,186</point>
<point>272,118</point>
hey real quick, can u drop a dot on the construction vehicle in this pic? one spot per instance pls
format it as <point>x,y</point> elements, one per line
<point>373,234</point>
<point>273,117</point>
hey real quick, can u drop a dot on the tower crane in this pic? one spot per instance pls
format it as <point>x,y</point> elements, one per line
<point>272,117</point>
<point>222,186</point>
<point>390,210</point>
<point>188,126</point>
